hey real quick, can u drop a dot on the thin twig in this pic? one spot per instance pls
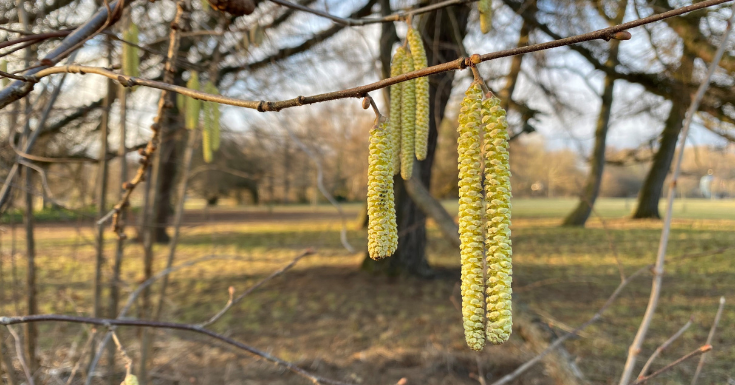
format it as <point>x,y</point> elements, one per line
<point>263,281</point>
<point>528,364</point>
<point>21,356</point>
<point>82,354</point>
<point>401,15</point>
<point>168,325</point>
<point>663,347</point>
<point>658,270</point>
<point>710,337</point>
<point>361,91</point>
<point>128,360</point>
<point>698,351</point>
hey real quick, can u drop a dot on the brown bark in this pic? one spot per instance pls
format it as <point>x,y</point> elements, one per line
<point>650,194</point>
<point>410,257</point>
<point>579,216</point>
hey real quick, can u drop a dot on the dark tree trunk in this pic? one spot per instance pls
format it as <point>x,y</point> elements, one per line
<point>652,188</point>
<point>579,216</point>
<point>410,257</point>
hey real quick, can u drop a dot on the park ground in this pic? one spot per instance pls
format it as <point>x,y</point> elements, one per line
<point>332,319</point>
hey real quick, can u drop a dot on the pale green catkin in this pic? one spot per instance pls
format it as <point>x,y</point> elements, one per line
<point>192,106</point>
<point>470,217</point>
<point>382,229</point>
<point>130,59</point>
<point>486,15</point>
<point>394,125</point>
<point>408,120</point>
<point>212,115</point>
<point>422,93</point>
<point>497,240</point>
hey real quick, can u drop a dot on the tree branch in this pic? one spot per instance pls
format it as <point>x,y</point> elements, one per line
<point>168,325</point>
<point>703,349</point>
<point>361,91</point>
<point>640,336</point>
<point>710,337</point>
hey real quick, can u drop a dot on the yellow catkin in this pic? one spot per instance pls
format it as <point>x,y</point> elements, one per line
<point>212,115</point>
<point>130,379</point>
<point>382,230</point>
<point>396,68</point>
<point>408,120</point>
<point>470,217</point>
<point>192,106</point>
<point>422,93</point>
<point>130,59</point>
<point>497,241</point>
<point>486,15</point>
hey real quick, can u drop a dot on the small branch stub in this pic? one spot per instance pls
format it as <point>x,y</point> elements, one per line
<point>622,35</point>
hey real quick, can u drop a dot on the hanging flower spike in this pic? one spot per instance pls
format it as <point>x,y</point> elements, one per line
<point>470,217</point>
<point>192,106</point>
<point>486,15</point>
<point>422,93</point>
<point>408,120</point>
<point>382,229</point>
<point>497,241</point>
<point>394,126</point>
<point>212,115</point>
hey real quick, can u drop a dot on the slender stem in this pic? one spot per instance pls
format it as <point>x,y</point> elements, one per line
<point>710,337</point>
<point>658,270</point>
<point>167,325</point>
<point>701,350</point>
<point>663,347</point>
<point>361,91</point>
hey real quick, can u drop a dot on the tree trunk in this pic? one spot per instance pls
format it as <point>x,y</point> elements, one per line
<point>652,188</point>
<point>579,216</point>
<point>32,303</point>
<point>410,257</point>
<point>166,177</point>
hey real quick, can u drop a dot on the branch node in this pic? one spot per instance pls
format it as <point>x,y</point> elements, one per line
<point>261,104</point>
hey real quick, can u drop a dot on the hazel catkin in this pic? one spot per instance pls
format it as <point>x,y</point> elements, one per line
<point>192,106</point>
<point>486,15</point>
<point>497,241</point>
<point>394,124</point>
<point>212,115</point>
<point>382,229</point>
<point>418,53</point>
<point>470,217</point>
<point>408,120</point>
<point>130,59</point>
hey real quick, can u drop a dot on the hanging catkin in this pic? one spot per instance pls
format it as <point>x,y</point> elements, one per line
<point>408,120</point>
<point>211,115</point>
<point>382,230</point>
<point>497,241</point>
<point>130,59</point>
<point>486,15</point>
<point>394,125</point>
<point>192,106</point>
<point>422,93</point>
<point>470,217</point>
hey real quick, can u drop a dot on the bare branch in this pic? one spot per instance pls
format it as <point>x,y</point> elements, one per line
<point>167,325</point>
<point>401,15</point>
<point>663,347</point>
<point>658,271</point>
<point>701,350</point>
<point>711,336</point>
<point>21,356</point>
<point>361,91</point>
<point>528,364</point>
<point>263,281</point>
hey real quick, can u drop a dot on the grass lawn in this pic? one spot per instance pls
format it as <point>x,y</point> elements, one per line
<point>332,319</point>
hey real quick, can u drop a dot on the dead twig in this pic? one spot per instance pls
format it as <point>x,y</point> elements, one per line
<point>701,350</point>
<point>635,346</point>
<point>663,346</point>
<point>21,356</point>
<point>711,336</point>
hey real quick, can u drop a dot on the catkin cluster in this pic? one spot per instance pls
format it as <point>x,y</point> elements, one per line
<point>382,230</point>
<point>396,91</point>
<point>193,108</point>
<point>497,241</point>
<point>470,217</point>
<point>409,106</point>
<point>486,294</point>
<point>422,93</point>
